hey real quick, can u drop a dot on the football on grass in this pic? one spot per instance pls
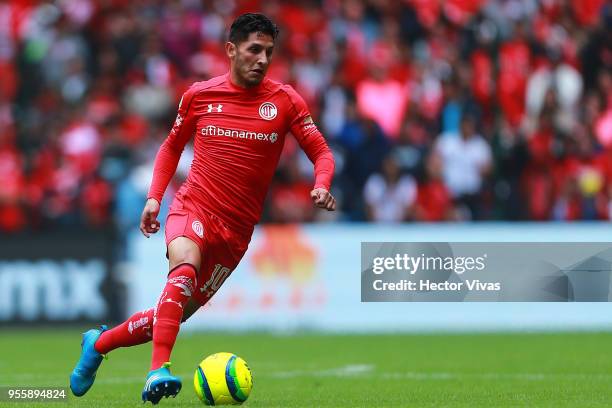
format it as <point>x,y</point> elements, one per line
<point>223,379</point>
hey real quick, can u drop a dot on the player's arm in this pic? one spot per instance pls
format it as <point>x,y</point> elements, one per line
<point>314,145</point>
<point>166,161</point>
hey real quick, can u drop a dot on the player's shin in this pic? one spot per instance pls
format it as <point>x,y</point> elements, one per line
<point>136,330</point>
<point>169,312</point>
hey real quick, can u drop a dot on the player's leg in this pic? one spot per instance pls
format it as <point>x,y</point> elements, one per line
<point>137,329</point>
<point>191,307</point>
<point>184,260</point>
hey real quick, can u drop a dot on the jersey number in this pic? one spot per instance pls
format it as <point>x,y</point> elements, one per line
<point>218,276</point>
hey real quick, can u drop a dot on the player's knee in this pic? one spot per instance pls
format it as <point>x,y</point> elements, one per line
<point>189,256</point>
<point>185,269</point>
<point>184,251</point>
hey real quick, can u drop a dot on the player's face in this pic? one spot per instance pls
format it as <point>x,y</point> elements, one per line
<point>251,58</point>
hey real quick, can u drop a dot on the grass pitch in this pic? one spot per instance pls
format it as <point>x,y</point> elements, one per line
<point>446,370</point>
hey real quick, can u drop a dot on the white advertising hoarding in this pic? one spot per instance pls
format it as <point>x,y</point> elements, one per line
<point>297,277</point>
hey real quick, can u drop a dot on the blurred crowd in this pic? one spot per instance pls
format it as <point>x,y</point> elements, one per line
<point>436,110</point>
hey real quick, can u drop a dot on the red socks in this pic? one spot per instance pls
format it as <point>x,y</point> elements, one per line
<point>169,312</point>
<point>135,330</point>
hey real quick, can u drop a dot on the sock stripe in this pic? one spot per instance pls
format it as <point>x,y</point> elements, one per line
<point>186,264</point>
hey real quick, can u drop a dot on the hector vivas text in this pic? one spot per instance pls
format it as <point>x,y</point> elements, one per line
<point>411,265</point>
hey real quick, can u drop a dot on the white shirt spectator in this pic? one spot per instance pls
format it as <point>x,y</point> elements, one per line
<point>389,203</point>
<point>464,161</point>
<point>564,79</point>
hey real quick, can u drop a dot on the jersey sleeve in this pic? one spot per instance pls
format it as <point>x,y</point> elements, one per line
<point>310,140</point>
<point>171,149</point>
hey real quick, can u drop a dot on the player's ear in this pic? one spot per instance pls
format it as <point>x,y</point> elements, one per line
<point>230,49</point>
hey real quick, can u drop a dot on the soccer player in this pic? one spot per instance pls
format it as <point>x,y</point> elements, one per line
<point>238,122</point>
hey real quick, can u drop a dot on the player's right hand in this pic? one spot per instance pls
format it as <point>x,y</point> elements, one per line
<point>148,220</point>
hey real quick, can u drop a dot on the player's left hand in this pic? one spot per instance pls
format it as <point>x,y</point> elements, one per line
<point>323,199</point>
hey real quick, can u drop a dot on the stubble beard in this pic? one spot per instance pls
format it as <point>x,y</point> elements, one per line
<point>252,82</point>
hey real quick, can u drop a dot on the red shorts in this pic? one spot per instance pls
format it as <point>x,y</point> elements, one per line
<point>221,248</point>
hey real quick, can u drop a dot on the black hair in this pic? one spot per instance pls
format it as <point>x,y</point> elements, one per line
<point>248,23</point>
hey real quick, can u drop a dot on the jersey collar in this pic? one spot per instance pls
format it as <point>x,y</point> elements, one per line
<point>250,90</point>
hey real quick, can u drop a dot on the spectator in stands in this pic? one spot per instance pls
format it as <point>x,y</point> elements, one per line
<point>467,163</point>
<point>12,192</point>
<point>290,197</point>
<point>365,146</point>
<point>390,195</point>
<point>434,202</point>
<point>559,80</point>
<point>87,86</point>
<point>511,158</point>
<point>383,99</point>
<point>544,149</point>
<point>514,66</point>
<point>582,180</point>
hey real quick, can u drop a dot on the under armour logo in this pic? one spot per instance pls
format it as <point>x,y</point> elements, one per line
<point>212,107</point>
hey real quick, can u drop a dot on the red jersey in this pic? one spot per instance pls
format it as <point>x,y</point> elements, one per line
<point>239,135</point>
